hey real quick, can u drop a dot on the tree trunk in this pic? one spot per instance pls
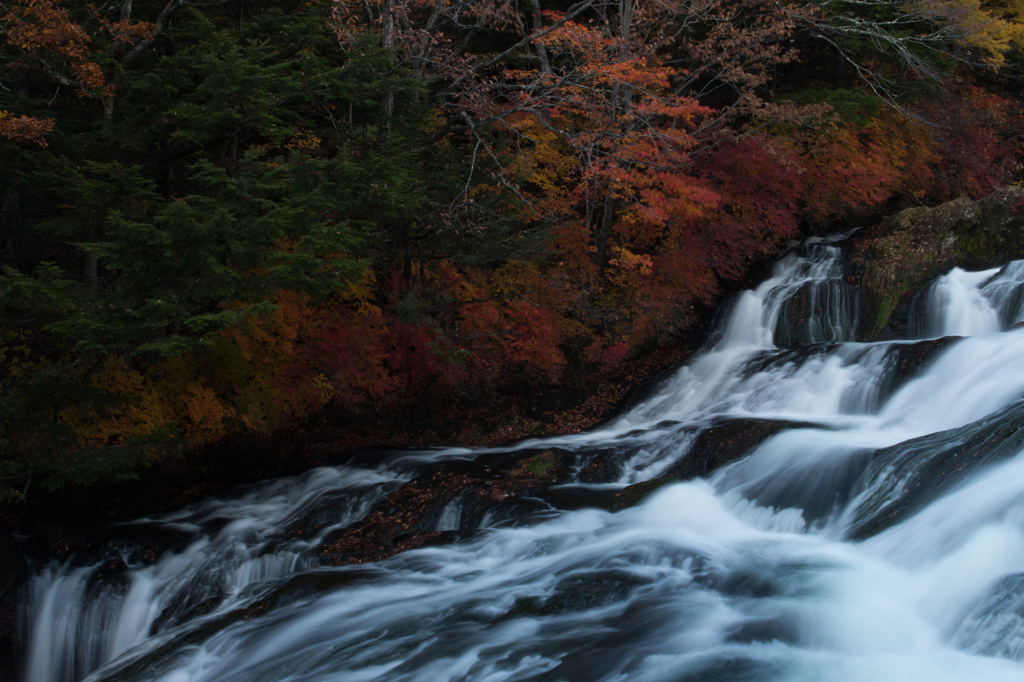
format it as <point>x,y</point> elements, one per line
<point>166,166</point>
<point>407,266</point>
<point>606,224</point>
<point>388,28</point>
<point>423,266</point>
<point>9,223</point>
<point>621,96</point>
<point>232,164</point>
<point>625,24</point>
<point>90,266</point>
<point>538,24</point>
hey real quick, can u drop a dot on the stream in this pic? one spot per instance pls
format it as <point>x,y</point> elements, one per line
<point>877,535</point>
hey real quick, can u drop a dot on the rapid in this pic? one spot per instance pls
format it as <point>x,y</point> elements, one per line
<point>877,535</point>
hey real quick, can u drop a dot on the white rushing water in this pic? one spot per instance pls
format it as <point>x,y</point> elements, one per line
<point>878,536</point>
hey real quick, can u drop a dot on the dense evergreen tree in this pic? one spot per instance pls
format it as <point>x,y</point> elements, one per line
<point>220,218</point>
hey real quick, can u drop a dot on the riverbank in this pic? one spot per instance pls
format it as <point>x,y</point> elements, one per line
<point>917,243</point>
<point>857,440</point>
<point>170,484</point>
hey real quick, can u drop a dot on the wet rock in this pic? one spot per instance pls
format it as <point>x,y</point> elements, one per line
<point>901,321</point>
<point>995,627</point>
<point>174,614</point>
<point>502,487</point>
<point>791,328</point>
<point>740,584</point>
<point>638,492</point>
<point>580,497</point>
<point>906,477</point>
<point>582,592</point>
<point>795,356</point>
<point>734,667</point>
<point>764,630</point>
<point>197,598</point>
<point>726,441</point>
<point>548,464</point>
<point>908,360</point>
<point>819,312</point>
<point>408,518</point>
<point>602,466</point>
<point>308,586</point>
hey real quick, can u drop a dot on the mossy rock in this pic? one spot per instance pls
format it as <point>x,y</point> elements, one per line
<point>911,248</point>
<point>541,465</point>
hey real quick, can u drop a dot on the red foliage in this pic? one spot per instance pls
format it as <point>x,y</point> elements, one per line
<point>761,187</point>
<point>411,360</point>
<point>978,140</point>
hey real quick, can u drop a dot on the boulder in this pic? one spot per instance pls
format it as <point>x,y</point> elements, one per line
<point>906,251</point>
<point>904,478</point>
<point>726,441</point>
<point>910,359</point>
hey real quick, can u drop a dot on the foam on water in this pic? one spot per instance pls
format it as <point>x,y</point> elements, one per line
<point>749,575</point>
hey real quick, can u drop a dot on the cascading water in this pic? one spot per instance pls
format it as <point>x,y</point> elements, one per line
<point>963,303</point>
<point>78,621</point>
<point>878,535</point>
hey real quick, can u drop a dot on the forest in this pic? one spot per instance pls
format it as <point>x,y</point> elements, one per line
<point>225,219</point>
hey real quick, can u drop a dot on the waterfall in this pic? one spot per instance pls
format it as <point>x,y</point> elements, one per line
<point>876,533</point>
<point>963,303</point>
<point>956,305</point>
<point>1005,292</point>
<point>78,621</point>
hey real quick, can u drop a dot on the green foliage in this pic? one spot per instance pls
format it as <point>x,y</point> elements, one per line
<point>853,106</point>
<point>263,213</point>
<point>25,294</point>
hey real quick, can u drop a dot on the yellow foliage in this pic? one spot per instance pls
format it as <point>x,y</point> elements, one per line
<point>369,310</point>
<point>304,140</point>
<point>994,27</point>
<point>190,401</point>
<point>359,291</point>
<point>542,164</point>
<point>433,122</point>
<point>139,413</point>
<point>569,328</point>
<point>204,414</point>
<point>627,260</point>
<point>516,277</point>
<point>323,383</point>
<point>286,244</point>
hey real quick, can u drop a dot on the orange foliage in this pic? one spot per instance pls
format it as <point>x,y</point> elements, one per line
<point>46,37</point>
<point>24,129</point>
<point>136,410</point>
